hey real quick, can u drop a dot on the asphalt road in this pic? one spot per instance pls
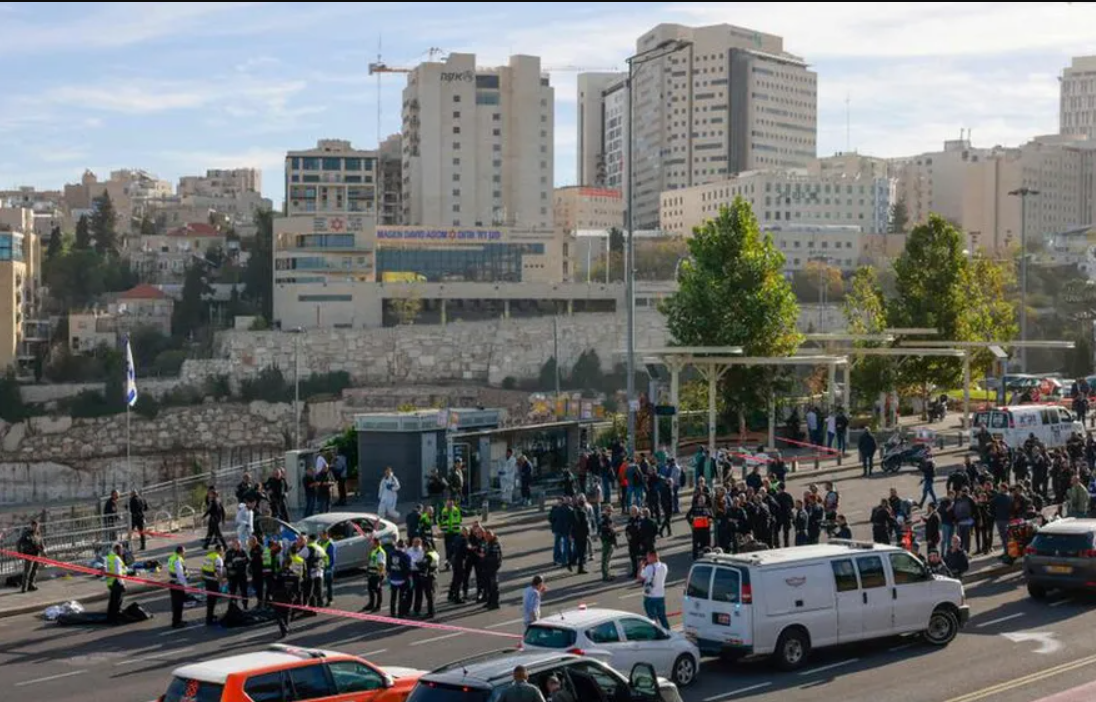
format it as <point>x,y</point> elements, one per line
<point>997,657</point>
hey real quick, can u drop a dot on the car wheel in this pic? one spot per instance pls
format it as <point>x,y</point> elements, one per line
<point>1037,592</point>
<point>684,671</point>
<point>792,649</point>
<point>943,628</point>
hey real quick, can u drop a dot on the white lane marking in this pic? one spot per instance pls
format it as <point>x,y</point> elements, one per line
<point>437,638</point>
<point>896,649</point>
<point>502,625</point>
<point>1059,603</point>
<point>632,595</point>
<point>378,652</point>
<point>51,677</point>
<point>390,629</point>
<point>999,620</point>
<point>831,666</point>
<point>740,691</point>
<point>154,656</point>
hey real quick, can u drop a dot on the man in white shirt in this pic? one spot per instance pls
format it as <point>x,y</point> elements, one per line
<point>831,430</point>
<point>653,577</point>
<point>321,463</point>
<point>245,521</point>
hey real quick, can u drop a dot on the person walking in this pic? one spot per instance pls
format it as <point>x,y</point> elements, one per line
<point>580,535</point>
<point>111,509</point>
<point>388,495</point>
<point>867,446</point>
<point>137,509</point>
<point>115,569</point>
<point>841,424</point>
<point>215,517</point>
<point>653,578</point>
<point>213,574</point>
<point>928,476</point>
<point>375,573</point>
<point>31,544</point>
<point>531,600</point>
<point>176,576</point>
<point>608,536</point>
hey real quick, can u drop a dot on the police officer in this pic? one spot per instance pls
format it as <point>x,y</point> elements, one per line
<point>328,547</point>
<point>272,564</point>
<point>236,562</point>
<point>257,556</point>
<point>456,549</point>
<point>285,588</point>
<point>115,566</point>
<point>375,572</point>
<point>426,525</point>
<point>450,523</point>
<point>315,559</point>
<point>426,577</point>
<point>176,575</point>
<point>213,573</point>
<point>608,535</point>
<point>399,581</point>
<point>700,519</point>
<point>489,568</point>
<point>631,533</point>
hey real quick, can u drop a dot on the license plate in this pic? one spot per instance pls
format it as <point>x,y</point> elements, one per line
<point>1060,570</point>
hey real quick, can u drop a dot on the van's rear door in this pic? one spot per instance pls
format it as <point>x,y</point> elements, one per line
<point>718,608</point>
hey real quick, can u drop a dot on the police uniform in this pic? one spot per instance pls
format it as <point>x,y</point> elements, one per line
<point>328,547</point>
<point>212,571</point>
<point>115,566</point>
<point>450,527</point>
<point>236,562</point>
<point>425,580</point>
<point>286,586</point>
<point>378,561</point>
<point>176,575</point>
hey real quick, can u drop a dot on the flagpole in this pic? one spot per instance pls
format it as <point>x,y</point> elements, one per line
<point>129,468</point>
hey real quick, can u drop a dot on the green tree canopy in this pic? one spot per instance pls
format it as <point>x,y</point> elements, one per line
<point>56,244</point>
<point>732,292</point>
<point>866,313</point>
<point>83,234</point>
<point>987,314</point>
<point>191,312</point>
<point>259,274</point>
<point>899,217</point>
<point>103,226</point>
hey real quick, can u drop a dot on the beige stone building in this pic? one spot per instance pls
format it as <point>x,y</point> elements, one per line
<point>1077,98</point>
<point>599,122</point>
<point>733,100</point>
<point>20,284</point>
<point>222,183</point>
<point>164,258</point>
<point>583,218</point>
<point>478,144</point>
<point>144,306</point>
<point>935,182</point>
<point>332,178</point>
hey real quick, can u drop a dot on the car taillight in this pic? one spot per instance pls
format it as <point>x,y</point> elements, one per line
<point>747,594</point>
<point>1090,553</point>
<point>1029,551</point>
<point>576,651</point>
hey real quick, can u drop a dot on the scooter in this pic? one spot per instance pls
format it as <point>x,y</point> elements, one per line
<point>899,451</point>
<point>938,409</point>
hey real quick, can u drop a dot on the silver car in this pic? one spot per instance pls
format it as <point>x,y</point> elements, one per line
<point>352,532</point>
<point>1061,556</point>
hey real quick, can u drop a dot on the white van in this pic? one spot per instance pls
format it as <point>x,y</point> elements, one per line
<point>787,601</point>
<point>1051,424</point>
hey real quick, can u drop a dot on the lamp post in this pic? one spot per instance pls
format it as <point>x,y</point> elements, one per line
<point>297,333</point>
<point>1023,193</point>
<point>670,46</point>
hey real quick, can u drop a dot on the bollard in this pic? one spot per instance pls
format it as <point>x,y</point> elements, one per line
<point>840,458</point>
<point>795,466</point>
<point>817,462</point>
<point>486,513</point>
<point>540,501</point>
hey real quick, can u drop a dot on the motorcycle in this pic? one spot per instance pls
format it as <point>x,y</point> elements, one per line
<point>938,409</point>
<point>899,451</point>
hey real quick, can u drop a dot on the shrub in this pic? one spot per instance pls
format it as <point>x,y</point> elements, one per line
<point>169,363</point>
<point>12,407</point>
<point>147,406</point>
<point>182,396</point>
<point>92,403</point>
<point>269,386</point>
<point>509,383</point>
<point>218,387</point>
<point>326,384</point>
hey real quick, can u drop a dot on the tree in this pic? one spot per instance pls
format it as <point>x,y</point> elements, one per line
<point>987,313</point>
<point>56,244</point>
<point>103,226</point>
<point>147,226</point>
<point>83,234</point>
<point>659,259</point>
<point>866,313</point>
<point>899,217</point>
<point>259,274</point>
<point>215,256</point>
<point>406,309</point>
<point>616,240</point>
<point>191,312</point>
<point>816,278</point>
<point>732,292</point>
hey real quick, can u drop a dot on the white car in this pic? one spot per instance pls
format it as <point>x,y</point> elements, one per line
<point>618,638</point>
<point>352,533</point>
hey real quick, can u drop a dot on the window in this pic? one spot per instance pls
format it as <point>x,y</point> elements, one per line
<point>456,192</point>
<point>907,569</point>
<point>181,690</point>
<point>456,130</point>
<point>496,132</point>
<point>456,161</point>
<point>310,164</point>
<point>310,682</point>
<point>549,637</point>
<point>352,164</point>
<point>725,585</point>
<point>640,630</point>
<point>456,114</point>
<point>456,177</point>
<point>351,676</point>
<point>608,683</point>
<point>456,146</point>
<point>456,98</point>
<point>496,117</point>
<point>871,572</point>
<point>325,298</point>
<point>845,575</point>
<point>265,688</point>
<point>332,164</point>
<point>456,208</point>
<point>604,633</point>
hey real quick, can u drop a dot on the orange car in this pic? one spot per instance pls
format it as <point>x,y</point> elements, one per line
<point>290,674</point>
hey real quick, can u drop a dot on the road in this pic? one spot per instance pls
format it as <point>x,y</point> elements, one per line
<point>994,658</point>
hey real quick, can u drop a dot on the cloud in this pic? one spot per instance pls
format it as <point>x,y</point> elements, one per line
<point>62,155</point>
<point>197,161</point>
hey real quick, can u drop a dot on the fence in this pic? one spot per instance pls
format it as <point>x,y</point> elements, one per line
<point>172,505</point>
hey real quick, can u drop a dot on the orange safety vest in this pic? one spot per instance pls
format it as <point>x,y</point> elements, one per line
<point>701,522</point>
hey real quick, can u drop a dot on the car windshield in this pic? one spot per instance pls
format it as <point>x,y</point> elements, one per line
<point>183,690</point>
<point>549,636</point>
<point>437,692</point>
<point>1063,544</point>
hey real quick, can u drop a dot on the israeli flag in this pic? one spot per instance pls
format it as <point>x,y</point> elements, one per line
<point>131,376</point>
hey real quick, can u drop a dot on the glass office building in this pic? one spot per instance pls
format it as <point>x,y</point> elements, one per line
<point>477,263</point>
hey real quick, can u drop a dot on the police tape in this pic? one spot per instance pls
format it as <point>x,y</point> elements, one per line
<point>394,621</point>
<point>823,451</point>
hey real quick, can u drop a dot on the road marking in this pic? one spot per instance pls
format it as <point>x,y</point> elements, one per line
<point>1025,680</point>
<point>389,630</point>
<point>740,691</point>
<point>1047,643</point>
<point>153,656</point>
<point>1000,620</point>
<point>378,652</point>
<point>51,677</point>
<point>443,637</point>
<point>831,666</point>
<point>502,625</point>
<point>632,595</point>
<point>1059,603</point>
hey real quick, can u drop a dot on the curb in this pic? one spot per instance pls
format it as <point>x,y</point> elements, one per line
<point>20,610</point>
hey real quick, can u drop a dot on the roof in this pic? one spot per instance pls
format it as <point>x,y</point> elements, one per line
<point>333,517</point>
<point>217,670</point>
<point>580,618</point>
<point>782,556</point>
<point>1069,526</point>
<point>144,291</point>
<point>195,229</point>
<point>494,666</point>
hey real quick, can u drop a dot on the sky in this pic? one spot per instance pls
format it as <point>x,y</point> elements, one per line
<point>176,88</point>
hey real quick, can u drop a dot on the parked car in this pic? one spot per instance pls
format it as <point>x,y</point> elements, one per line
<point>1062,556</point>
<point>785,602</point>
<point>289,673</point>
<point>482,678</point>
<point>352,532</point>
<point>620,638</point>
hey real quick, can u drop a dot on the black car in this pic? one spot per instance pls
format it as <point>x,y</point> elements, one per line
<point>483,678</point>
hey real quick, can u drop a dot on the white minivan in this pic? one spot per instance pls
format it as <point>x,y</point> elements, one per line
<point>1051,424</point>
<point>787,601</point>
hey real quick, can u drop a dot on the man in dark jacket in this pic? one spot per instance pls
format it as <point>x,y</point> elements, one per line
<point>700,519</point>
<point>414,523</point>
<point>932,528</point>
<point>882,523</point>
<point>867,447</point>
<point>137,509</point>
<point>785,508</point>
<point>928,475</point>
<point>1001,509</point>
<point>236,561</point>
<point>492,563</point>
<point>215,517</point>
<point>561,518</point>
<point>580,535</point>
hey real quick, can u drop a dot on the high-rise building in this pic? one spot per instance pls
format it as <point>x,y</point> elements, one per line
<point>391,156</point>
<point>593,89</point>
<point>478,144</point>
<point>332,178</point>
<point>20,270</point>
<point>934,182</point>
<point>730,100</point>
<point>1077,102</point>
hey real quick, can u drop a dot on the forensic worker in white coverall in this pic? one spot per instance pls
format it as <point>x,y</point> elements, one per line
<point>508,475</point>
<point>388,493</point>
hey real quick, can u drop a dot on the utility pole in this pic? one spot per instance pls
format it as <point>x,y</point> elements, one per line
<point>1023,193</point>
<point>555,355</point>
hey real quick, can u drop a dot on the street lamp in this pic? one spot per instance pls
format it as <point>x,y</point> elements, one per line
<point>662,50</point>
<point>1023,193</point>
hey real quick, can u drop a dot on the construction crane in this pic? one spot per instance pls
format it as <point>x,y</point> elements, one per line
<point>379,66</point>
<point>578,69</point>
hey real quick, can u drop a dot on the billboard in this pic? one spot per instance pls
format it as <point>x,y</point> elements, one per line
<point>438,236</point>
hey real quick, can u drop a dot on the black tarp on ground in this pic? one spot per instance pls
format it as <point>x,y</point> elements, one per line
<point>235,617</point>
<point>130,615</point>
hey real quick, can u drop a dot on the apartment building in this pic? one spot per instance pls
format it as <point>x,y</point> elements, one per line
<point>20,282</point>
<point>391,165</point>
<point>164,258</point>
<point>478,144</point>
<point>1077,98</point>
<point>333,177</point>
<point>592,116</point>
<point>934,182</point>
<point>222,183</point>
<point>781,198</point>
<point>730,100</point>
<point>584,216</point>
